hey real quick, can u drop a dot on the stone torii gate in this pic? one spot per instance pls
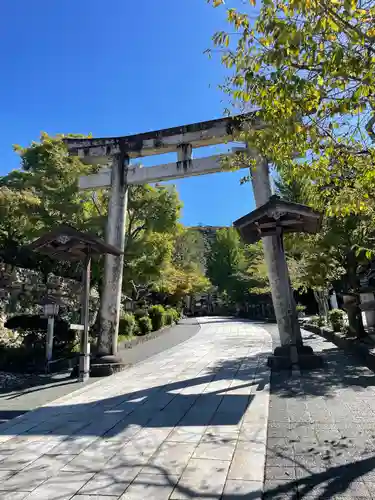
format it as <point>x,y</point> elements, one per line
<point>118,151</point>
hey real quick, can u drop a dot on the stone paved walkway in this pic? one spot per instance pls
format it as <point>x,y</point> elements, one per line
<point>321,430</point>
<point>188,423</point>
<point>18,401</point>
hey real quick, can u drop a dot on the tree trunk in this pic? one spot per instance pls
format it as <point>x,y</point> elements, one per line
<point>351,305</point>
<point>321,297</point>
<point>354,312</point>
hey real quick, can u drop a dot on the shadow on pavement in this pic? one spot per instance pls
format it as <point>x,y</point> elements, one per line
<point>321,430</point>
<point>36,386</point>
<point>305,458</point>
<point>116,422</point>
<point>161,406</point>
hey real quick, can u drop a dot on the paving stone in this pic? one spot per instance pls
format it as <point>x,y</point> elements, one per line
<point>121,435</point>
<point>110,483</point>
<point>280,490</point>
<point>91,461</point>
<point>287,473</point>
<point>187,434</point>
<point>150,486</point>
<point>94,497</point>
<point>280,459</point>
<point>333,456</point>
<point>215,451</point>
<point>36,473</point>
<point>201,478</point>
<point>170,458</point>
<point>62,485</point>
<point>334,489</point>
<point>248,462</point>
<point>49,462</point>
<point>13,495</point>
<point>253,431</point>
<point>220,433</point>
<point>18,461</point>
<point>5,475</point>
<point>235,490</point>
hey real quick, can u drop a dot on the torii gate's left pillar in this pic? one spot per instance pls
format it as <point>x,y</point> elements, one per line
<point>113,265</point>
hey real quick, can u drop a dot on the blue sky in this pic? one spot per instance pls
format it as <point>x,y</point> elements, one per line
<point>115,68</point>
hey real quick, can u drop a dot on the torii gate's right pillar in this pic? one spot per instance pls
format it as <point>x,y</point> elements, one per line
<point>292,352</point>
<point>282,295</point>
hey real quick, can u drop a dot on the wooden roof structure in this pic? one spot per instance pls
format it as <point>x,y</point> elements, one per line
<point>278,216</point>
<point>67,243</point>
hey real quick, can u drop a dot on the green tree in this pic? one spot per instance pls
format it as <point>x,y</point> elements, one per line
<point>226,258</point>
<point>234,267</point>
<point>331,257</point>
<point>44,193</point>
<point>152,224</point>
<point>185,274</point>
<point>306,68</point>
<point>190,249</point>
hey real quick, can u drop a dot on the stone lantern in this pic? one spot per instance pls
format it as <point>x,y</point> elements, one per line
<point>67,244</point>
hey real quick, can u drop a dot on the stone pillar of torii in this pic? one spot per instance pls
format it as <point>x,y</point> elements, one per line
<point>118,151</point>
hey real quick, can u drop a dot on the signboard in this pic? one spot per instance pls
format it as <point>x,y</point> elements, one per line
<point>76,327</point>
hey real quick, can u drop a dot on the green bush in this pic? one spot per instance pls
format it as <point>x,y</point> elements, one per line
<point>300,309</point>
<point>22,359</point>
<point>336,318</point>
<point>127,325</point>
<point>169,317</point>
<point>157,316</point>
<point>140,313</point>
<point>144,325</point>
<point>318,321</point>
<point>176,314</point>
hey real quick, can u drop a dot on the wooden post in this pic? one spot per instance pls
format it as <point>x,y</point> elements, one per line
<point>84,366</point>
<point>49,343</point>
<point>113,265</point>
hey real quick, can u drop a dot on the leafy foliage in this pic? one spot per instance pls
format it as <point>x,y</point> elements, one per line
<point>144,325</point>
<point>127,325</point>
<point>234,267</point>
<point>306,69</point>
<point>159,253</point>
<point>157,315</point>
<point>319,321</point>
<point>336,318</point>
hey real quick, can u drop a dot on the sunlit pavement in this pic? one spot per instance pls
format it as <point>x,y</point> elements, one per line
<point>190,422</point>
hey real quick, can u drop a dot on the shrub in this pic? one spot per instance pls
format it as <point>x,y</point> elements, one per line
<point>169,317</point>
<point>336,318</point>
<point>22,359</point>
<point>318,321</point>
<point>176,314</point>
<point>140,313</point>
<point>157,315</point>
<point>144,325</point>
<point>300,309</point>
<point>127,325</point>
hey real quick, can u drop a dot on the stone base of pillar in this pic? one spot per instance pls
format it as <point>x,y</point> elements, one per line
<point>106,365</point>
<point>102,366</point>
<point>283,358</point>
